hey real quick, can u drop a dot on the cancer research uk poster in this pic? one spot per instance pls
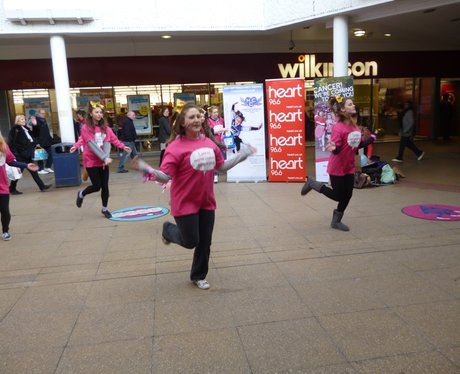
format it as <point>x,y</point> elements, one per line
<point>286,129</point>
<point>244,114</point>
<point>324,118</point>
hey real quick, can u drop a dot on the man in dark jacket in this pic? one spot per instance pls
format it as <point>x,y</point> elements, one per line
<point>128,137</point>
<point>43,138</point>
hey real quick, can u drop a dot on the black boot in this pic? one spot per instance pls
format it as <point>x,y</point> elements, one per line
<point>311,184</point>
<point>336,221</point>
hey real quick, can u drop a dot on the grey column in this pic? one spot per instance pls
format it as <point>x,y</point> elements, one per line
<point>61,82</point>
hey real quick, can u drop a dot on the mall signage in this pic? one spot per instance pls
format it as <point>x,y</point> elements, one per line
<point>308,68</point>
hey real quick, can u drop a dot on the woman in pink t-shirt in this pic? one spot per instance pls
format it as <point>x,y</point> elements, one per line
<point>346,138</point>
<point>96,137</point>
<point>189,162</point>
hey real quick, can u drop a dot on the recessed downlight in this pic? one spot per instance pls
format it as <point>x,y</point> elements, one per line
<point>166,36</point>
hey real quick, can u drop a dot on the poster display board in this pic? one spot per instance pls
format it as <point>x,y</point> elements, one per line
<point>286,129</point>
<point>140,105</point>
<point>244,116</point>
<point>324,118</point>
<point>33,104</point>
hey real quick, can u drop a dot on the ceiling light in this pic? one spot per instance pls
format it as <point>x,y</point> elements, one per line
<point>387,34</point>
<point>166,36</point>
<point>359,33</point>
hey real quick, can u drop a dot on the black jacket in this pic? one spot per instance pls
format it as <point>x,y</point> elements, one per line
<point>128,131</point>
<point>20,144</point>
<point>41,133</point>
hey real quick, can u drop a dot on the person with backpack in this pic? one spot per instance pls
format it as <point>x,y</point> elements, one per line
<point>346,138</point>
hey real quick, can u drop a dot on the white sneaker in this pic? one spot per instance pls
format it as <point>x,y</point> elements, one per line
<point>397,160</point>
<point>43,172</point>
<point>216,179</point>
<point>6,236</point>
<point>202,284</point>
<point>421,156</point>
<point>49,170</point>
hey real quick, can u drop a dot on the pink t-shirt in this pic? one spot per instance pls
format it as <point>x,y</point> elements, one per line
<point>347,138</point>
<point>90,160</point>
<point>4,181</point>
<point>213,123</point>
<point>191,164</point>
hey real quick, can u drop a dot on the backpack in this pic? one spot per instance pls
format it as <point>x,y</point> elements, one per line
<point>388,175</point>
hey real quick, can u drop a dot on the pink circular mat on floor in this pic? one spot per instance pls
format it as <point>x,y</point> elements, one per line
<point>434,212</point>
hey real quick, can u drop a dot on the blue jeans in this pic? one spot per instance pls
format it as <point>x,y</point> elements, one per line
<point>124,155</point>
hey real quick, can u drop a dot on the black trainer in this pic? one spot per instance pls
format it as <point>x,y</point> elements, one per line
<point>79,200</point>
<point>106,214</point>
<point>46,187</point>
<point>15,192</point>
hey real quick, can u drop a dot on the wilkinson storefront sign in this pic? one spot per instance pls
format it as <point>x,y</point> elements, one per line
<point>307,67</point>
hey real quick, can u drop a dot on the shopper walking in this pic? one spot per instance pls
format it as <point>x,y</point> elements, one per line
<point>407,126</point>
<point>189,161</point>
<point>7,157</point>
<point>128,136</point>
<point>96,138</point>
<point>41,132</point>
<point>22,145</point>
<point>346,138</point>
<point>164,131</point>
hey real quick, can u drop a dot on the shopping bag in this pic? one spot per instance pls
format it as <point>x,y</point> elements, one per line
<point>229,140</point>
<point>40,154</point>
<point>13,173</point>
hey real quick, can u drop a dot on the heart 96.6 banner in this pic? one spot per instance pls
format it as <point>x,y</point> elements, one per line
<point>286,130</point>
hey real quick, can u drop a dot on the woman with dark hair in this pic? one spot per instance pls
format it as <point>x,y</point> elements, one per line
<point>164,131</point>
<point>190,161</point>
<point>346,138</point>
<point>96,137</point>
<point>407,123</point>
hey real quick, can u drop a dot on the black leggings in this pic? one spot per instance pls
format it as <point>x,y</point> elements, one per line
<point>5,211</point>
<point>342,190</point>
<point>194,231</point>
<point>99,177</point>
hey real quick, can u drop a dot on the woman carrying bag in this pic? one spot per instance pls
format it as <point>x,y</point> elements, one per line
<point>22,145</point>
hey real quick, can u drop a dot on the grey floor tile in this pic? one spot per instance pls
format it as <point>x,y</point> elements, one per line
<point>32,330</point>
<point>439,322</point>
<point>123,356</point>
<point>33,362</point>
<point>418,363</point>
<point>268,304</point>
<point>288,346</point>
<point>215,351</point>
<point>341,296</point>
<point>372,334</point>
<point>206,311</point>
<point>121,291</point>
<point>107,323</point>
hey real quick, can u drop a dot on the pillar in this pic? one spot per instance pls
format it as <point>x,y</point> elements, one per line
<point>340,41</point>
<point>61,83</point>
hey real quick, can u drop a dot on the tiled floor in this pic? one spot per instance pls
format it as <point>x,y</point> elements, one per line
<point>83,294</point>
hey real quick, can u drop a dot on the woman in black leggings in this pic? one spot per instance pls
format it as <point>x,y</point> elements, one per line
<point>345,140</point>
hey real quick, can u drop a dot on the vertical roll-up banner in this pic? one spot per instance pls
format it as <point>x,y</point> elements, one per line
<point>140,105</point>
<point>286,129</point>
<point>244,117</point>
<point>324,118</point>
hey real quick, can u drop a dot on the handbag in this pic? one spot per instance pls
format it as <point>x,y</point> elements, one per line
<point>13,173</point>
<point>229,140</point>
<point>40,154</point>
